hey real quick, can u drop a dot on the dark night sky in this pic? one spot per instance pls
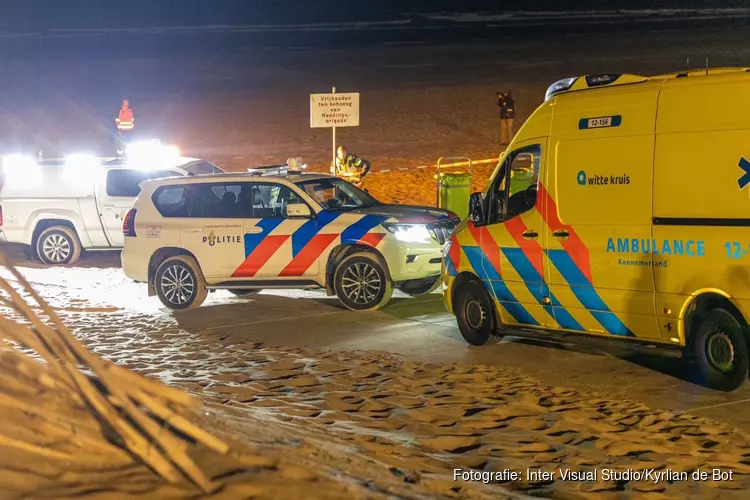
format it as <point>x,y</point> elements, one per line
<point>29,15</point>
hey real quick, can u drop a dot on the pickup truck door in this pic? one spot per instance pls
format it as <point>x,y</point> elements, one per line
<point>116,194</point>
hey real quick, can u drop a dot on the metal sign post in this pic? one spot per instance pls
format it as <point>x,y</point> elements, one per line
<point>334,110</point>
<point>333,91</point>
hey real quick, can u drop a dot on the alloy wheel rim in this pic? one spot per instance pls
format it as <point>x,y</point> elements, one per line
<point>56,248</point>
<point>720,351</point>
<point>177,285</point>
<point>361,283</point>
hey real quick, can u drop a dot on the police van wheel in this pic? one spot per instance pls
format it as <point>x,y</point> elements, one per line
<point>179,283</point>
<point>475,313</point>
<point>361,283</point>
<point>415,288</point>
<point>720,351</point>
<point>58,245</point>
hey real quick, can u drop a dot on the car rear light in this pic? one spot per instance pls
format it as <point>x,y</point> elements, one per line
<point>128,223</point>
<point>1,215</point>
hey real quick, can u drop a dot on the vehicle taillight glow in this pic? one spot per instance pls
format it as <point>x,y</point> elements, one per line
<point>128,223</point>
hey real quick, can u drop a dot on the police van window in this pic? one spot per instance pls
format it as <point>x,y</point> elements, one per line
<point>222,201</point>
<point>271,200</point>
<point>337,194</point>
<point>172,201</point>
<point>124,182</point>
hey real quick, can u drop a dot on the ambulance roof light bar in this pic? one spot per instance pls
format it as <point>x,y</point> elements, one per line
<point>559,86</point>
<point>591,82</point>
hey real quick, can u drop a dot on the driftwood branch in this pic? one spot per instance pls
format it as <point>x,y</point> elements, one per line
<point>131,414</point>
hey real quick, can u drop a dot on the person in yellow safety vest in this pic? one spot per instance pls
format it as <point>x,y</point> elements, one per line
<point>350,166</point>
<point>125,124</point>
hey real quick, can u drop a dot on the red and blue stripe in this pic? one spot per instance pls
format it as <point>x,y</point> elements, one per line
<point>260,247</point>
<point>539,289</point>
<point>308,244</point>
<point>584,291</point>
<point>492,280</point>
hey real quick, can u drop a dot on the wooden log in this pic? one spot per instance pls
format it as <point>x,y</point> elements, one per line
<point>23,445</point>
<point>155,444</point>
<point>153,387</point>
<point>182,424</point>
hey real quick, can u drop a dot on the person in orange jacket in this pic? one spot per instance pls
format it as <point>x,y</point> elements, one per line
<point>125,124</point>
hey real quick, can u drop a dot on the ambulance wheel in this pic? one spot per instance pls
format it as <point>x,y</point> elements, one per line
<point>475,313</point>
<point>243,293</point>
<point>720,351</point>
<point>58,245</point>
<point>415,288</point>
<point>179,283</point>
<point>361,283</point>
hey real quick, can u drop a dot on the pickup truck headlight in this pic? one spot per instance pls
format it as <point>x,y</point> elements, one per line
<point>409,233</point>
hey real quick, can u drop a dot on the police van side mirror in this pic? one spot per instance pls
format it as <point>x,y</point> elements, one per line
<point>298,211</point>
<point>476,208</point>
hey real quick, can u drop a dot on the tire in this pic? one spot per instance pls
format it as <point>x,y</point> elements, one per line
<point>415,288</point>
<point>173,270</point>
<point>475,313</point>
<point>243,293</point>
<point>372,292</point>
<point>58,245</point>
<point>720,350</point>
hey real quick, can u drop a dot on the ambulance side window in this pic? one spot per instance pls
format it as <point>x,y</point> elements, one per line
<point>519,185</point>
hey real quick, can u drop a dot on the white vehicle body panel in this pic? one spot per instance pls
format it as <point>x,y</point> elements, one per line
<point>275,251</point>
<point>50,193</point>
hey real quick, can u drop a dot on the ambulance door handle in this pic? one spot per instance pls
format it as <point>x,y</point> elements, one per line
<point>561,233</point>
<point>530,234</point>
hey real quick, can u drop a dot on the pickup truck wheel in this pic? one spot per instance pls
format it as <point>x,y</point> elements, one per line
<point>179,283</point>
<point>362,283</point>
<point>475,313</point>
<point>415,288</point>
<point>58,245</point>
<point>720,351</point>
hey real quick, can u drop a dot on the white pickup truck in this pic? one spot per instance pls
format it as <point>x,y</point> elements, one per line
<point>61,207</point>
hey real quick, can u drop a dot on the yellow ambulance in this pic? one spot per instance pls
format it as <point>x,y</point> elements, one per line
<point>620,210</point>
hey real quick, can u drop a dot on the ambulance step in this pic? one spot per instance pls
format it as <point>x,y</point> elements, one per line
<point>627,344</point>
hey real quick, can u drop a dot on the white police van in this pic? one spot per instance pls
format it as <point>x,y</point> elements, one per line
<point>279,229</point>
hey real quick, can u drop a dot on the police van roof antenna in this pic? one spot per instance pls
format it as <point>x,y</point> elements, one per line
<point>706,65</point>
<point>687,63</point>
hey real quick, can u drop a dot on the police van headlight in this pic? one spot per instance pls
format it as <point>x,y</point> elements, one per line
<point>409,233</point>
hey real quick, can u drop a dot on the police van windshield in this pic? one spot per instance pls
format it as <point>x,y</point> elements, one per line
<point>337,194</point>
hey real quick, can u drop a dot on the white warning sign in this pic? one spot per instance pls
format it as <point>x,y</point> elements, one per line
<point>334,110</point>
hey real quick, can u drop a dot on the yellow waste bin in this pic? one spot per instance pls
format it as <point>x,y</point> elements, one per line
<point>454,188</point>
